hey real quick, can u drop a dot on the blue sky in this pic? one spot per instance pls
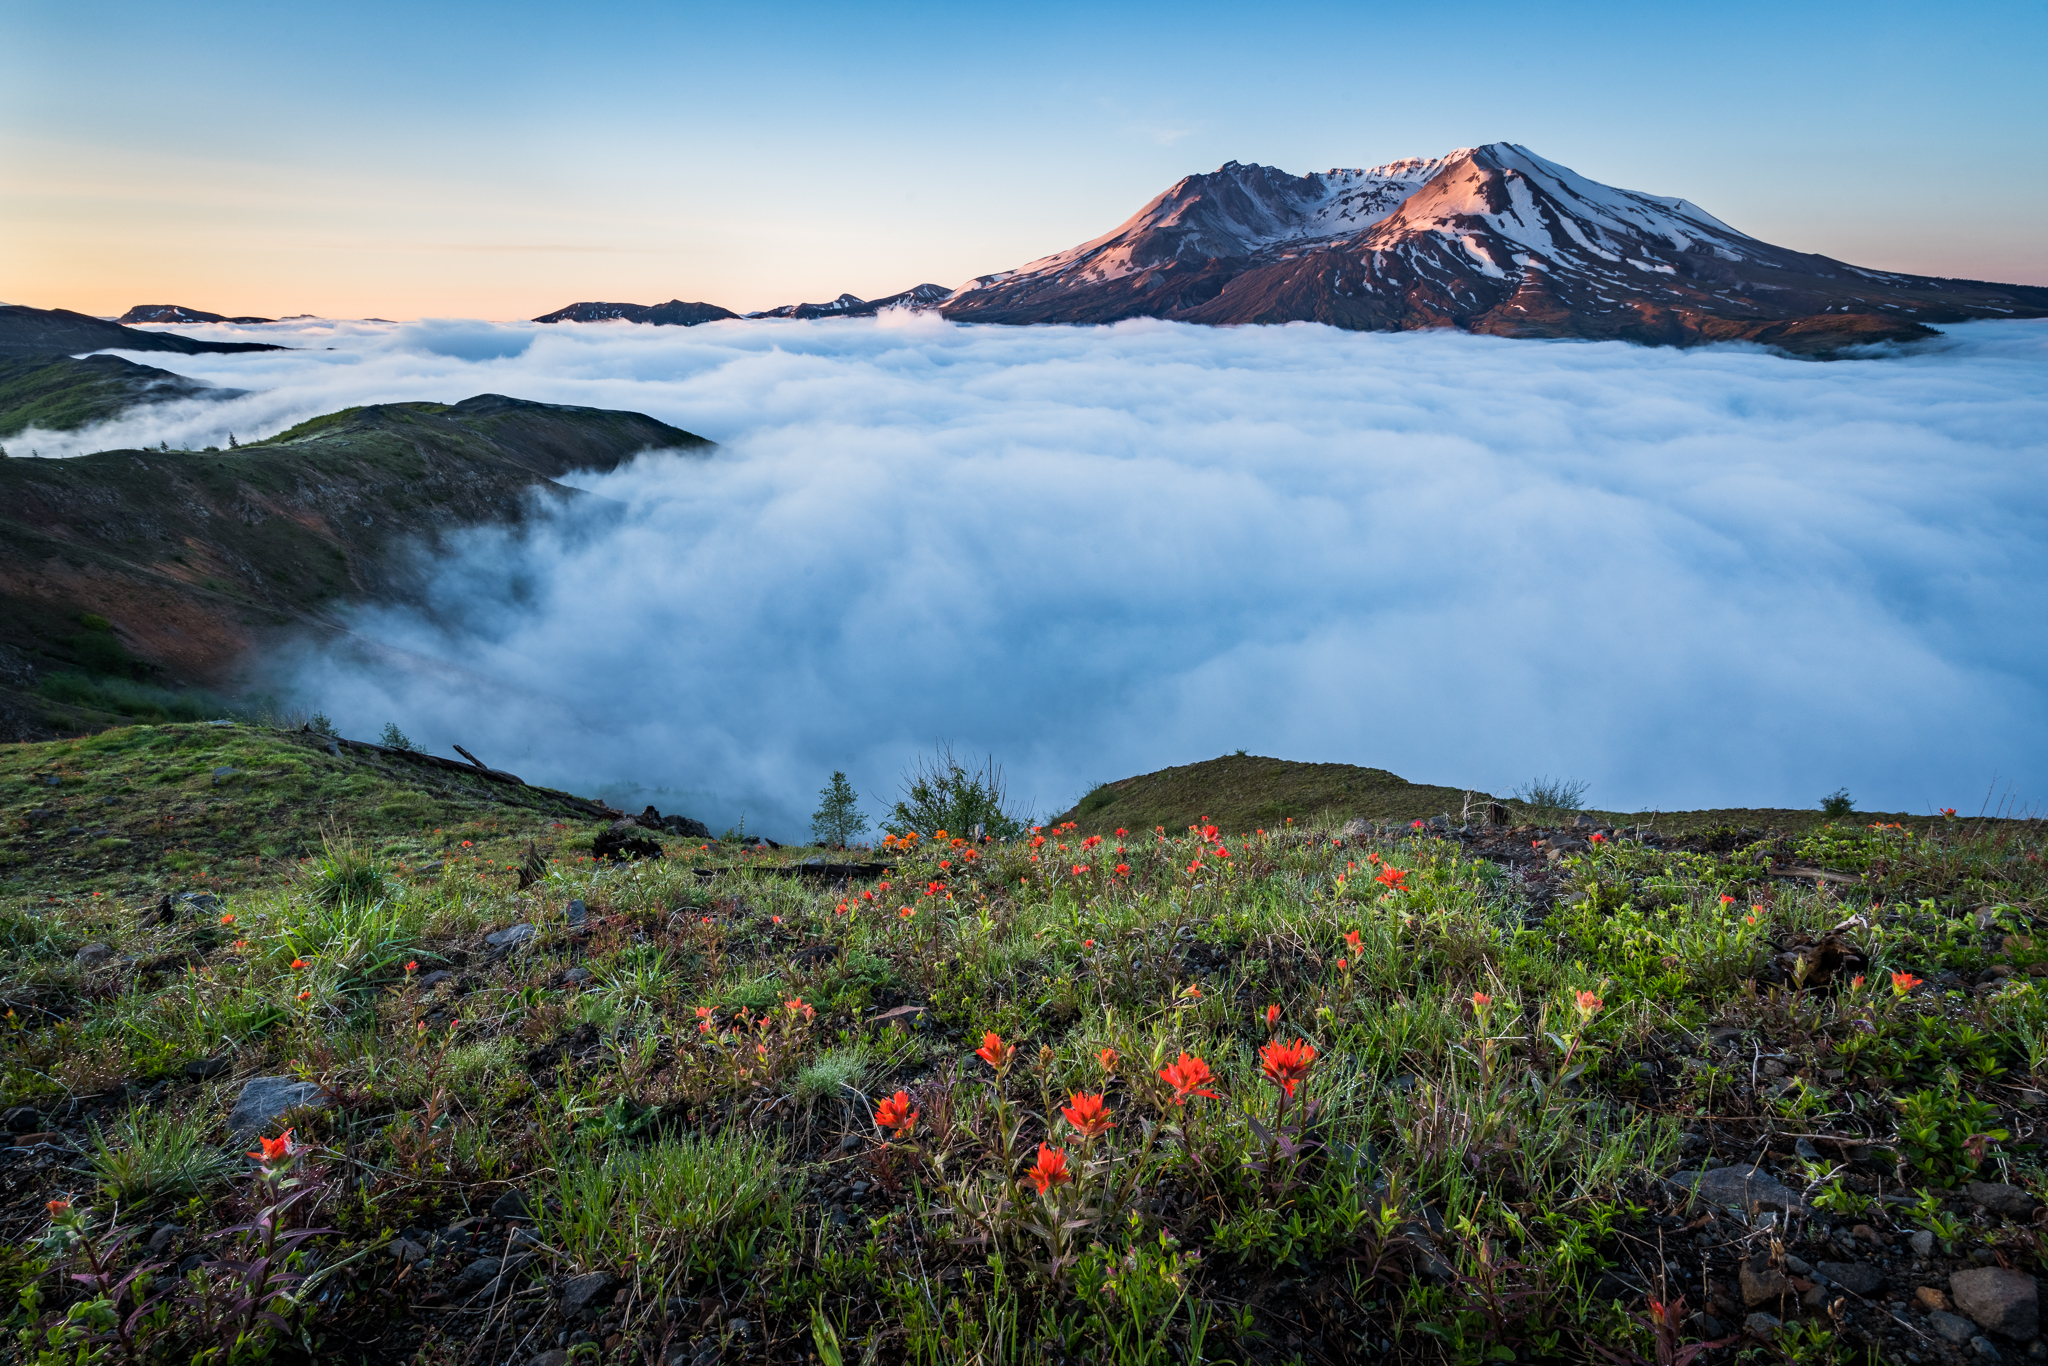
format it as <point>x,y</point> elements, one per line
<point>499,160</point>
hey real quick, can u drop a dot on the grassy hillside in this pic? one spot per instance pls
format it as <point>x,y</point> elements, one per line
<point>704,1108</point>
<point>61,394</point>
<point>155,567</point>
<point>1247,792</point>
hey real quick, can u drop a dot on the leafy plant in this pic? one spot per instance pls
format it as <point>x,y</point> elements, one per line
<point>1944,1130</point>
<point>1837,803</point>
<point>941,793</point>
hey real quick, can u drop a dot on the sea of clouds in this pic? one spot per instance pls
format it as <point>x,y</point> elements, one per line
<point>1689,578</point>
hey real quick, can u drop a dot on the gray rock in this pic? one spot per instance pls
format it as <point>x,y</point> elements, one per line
<point>1357,828</point>
<point>553,1357</point>
<point>199,901</point>
<point>265,1098</point>
<point>206,1069</point>
<point>92,955</point>
<point>1762,1283</point>
<point>1922,1244</point>
<point>1797,1266</point>
<point>578,914</point>
<point>428,981</point>
<point>588,1291</point>
<point>478,1274</point>
<point>511,1205</point>
<point>1859,1278</point>
<point>523,1238</point>
<point>2000,1198</point>
<point>1762,1324</point>
<point>407,1251</point>
<point>741,1328</point>
<point>1998,1299</point>
<point>223,773</point>
<point>1804,1147</point>
<point>575,977</point>
<point>505,941</point>
<point>22,1119</point>
<point>1983,1348</point>
<point>160,1241</point>
<point>1950,1328</point>
<point>1740,1187</point>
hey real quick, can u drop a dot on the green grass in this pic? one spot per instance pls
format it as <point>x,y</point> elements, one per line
<point>1511,1056</point>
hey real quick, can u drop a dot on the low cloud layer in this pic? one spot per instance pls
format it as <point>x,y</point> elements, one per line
<point>1692,579</point>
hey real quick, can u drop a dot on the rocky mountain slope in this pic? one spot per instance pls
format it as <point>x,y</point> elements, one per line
<point>170,566</point>
<point>60,332</point>
<point>674,313</point>
<point>1491,239</point>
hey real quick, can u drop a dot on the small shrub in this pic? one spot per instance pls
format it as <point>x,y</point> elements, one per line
<point>394,738</point>
<point>830,1073</point>
<point>838,821</point>
<point>1552,794</point>
<point>941,793</point>
<point>1838,803</point>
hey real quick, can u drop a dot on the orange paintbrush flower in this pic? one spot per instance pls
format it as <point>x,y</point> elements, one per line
<point>274,1150</point>
<point>1187,1077</point>
<point>1087,1114</point>
<point>1903,982</point>
<point>1272,1015</point>
<point>995,1052</point>
<point>1395,878</point>
<point>1107,1057</point>
<point>1050,1170</point>
<point>895,1113</point>
<point>1286,1065</point>
<point>1590,1005</point>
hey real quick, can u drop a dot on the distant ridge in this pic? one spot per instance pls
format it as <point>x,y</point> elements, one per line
<point>674,313</point>
<point>853,306</point>
<point>60,332</point>
<point>178,313</point>
<point>1490,239</point>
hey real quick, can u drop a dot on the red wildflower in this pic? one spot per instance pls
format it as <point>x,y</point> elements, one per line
<point>1351,940</point>
<point>995,1052</point>
<point>1590,1004</point>
<point>413,966</point>
<point>1286,1065</point>
<point>275,1150</point>
<point>300,963</point>
<point>1051,1169</point>
<point>1396,878</point>
<point>1272,1015</point>
<point>1903,982</point>
<point>1187,1077</point>
<point>895,1113</point>
<point>1107,1057</point>
<point>1123,870</point>
<point>1087,1114</point>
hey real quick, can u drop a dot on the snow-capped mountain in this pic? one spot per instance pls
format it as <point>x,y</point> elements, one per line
<point>1490,239</point>
<point>853,306</point>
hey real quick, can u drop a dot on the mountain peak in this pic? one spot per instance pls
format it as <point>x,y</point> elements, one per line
<point>1493,238</point>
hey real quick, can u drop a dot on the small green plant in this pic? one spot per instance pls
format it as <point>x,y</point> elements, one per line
<point>696,1204</point>
<point>394,738</point>
<point>1552,794</point>
<point>1837,1198</point>
<point>1838,803</point>
<point>838,821</point>
<point>941,793</point>
<point>831,1073</point>
<point>346,874</point>
<point>1944,1131</point>
<point>152,1154</point>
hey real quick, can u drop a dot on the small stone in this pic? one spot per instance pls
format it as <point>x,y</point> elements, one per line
<point>1761,1324</point>
<point>741,1328</point>
<point>523,1237</point>
<point>1859,1278</point>
<point>478,1274</point>
<point>92,955</point>
<point>849,1144</point>
<point>1865,1233</point>
<point>21,1119</point>
<point>1950,1329</point>
<point>1804,1147</point>
<point>160,1241</point>
<point>511,1205</point>
<point>1998,1299</point>
<point>2001,1198</point>
<point>1815,1298</point>
<point>588,1291</point>
<point>1710,1327</point>
<point>205,1069</point>
<point>1922,1244</point>
<point>1762,1283</point>
<point>554,1356</point>
<point>575,977</point>
<point>1983,1348</point>
<point>435,978</point>
<point>1741,1187</point>
<point>407,1251</point>
<point>1797,1266</point>
<point>506,940</point>
<point>265,1098</point>
<point>1930,1299</point>
<point>578,914</point>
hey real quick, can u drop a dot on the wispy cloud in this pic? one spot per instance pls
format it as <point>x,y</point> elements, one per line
<point>1691,578</point>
